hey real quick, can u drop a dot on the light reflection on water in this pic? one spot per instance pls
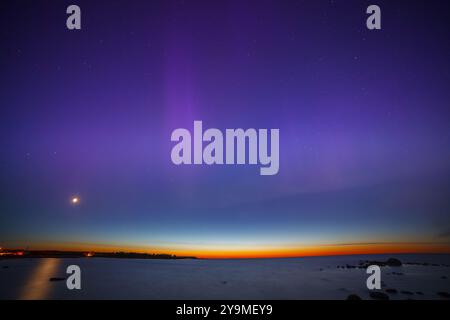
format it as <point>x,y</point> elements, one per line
<point>38,285</point>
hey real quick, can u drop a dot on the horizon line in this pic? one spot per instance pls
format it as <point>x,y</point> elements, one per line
<point>271,253</point>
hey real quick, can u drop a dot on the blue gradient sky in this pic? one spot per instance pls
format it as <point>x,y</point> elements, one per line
<point>363,116</point>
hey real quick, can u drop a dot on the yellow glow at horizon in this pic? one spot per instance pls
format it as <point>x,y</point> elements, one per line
<point>225,252</point>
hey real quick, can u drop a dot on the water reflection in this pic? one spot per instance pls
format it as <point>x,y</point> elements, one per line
<point>38,285</point>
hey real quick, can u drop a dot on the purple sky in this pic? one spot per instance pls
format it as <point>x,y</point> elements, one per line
<point>363,116</point>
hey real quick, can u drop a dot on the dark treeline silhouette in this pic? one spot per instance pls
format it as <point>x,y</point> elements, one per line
<point>82,254</point>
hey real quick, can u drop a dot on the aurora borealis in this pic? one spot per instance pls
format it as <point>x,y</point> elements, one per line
<point>363,115</point>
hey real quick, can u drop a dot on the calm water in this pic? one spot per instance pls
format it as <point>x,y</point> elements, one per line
<point>298,278</point>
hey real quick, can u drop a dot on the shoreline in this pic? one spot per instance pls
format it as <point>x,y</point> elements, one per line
<point>19,254</point>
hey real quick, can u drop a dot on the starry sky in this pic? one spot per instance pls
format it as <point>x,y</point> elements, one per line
<point>363,115</point>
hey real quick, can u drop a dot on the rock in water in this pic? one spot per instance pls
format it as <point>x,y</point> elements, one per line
<point>444,294</point>
<point>391,291</point>
<point>56,279</point>
<point>379,295</point>
<point>392,262</point>
<point>353,297</point>
<point>407,292</point>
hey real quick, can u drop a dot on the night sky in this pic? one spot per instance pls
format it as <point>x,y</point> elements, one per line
<point>364,119</point>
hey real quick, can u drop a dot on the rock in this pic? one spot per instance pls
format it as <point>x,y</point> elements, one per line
<point>379,295</point>
<point>444,294</point>
<point>56,279</point>
<point>420,293</point>
<point>392,262</point>
<point>224,282</point>
<point>390,290</point>
<point>5,267</point>
<point>353,297</point>
<point>407,292</point>
<point>443,277</point>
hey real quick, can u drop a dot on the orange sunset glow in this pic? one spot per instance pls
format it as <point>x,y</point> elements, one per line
<point>224,252</point>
